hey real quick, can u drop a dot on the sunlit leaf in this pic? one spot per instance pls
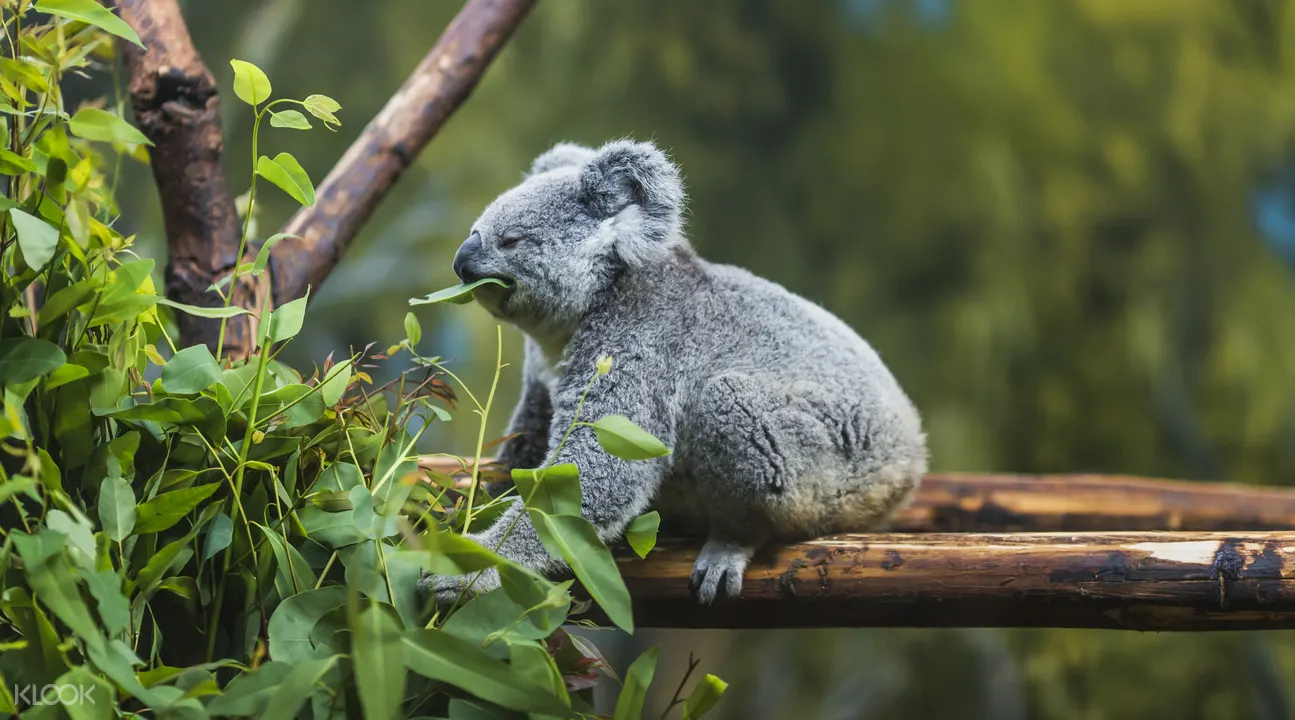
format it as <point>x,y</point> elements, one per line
<point>323,107</point>
<point>286,173</point>
<point>703,697</point>
<point>90,11</point>
<point>291,119</point>
<point>250,84</point>
<point>413,331</point>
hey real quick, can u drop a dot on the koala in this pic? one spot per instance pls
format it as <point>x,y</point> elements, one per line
<point>783,424</point>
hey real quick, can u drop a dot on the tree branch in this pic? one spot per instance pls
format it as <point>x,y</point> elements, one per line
<point>176,105</point>
<point>390,143</point>
<point>964,502</point>
<point>1130,581</point>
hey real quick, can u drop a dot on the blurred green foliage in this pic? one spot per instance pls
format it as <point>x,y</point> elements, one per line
<point>1042,214</point>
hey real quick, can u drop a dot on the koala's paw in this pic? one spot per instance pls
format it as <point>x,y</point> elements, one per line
<point>720,565</point>
<point>447,589</point>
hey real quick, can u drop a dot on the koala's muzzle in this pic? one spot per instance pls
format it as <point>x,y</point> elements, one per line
<point>463,259</point>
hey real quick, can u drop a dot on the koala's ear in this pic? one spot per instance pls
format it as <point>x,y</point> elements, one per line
<point>625,173</point>
<point>563,154</point>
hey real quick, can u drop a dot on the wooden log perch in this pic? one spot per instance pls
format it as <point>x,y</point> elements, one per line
<point>176,105</point>
<point>1132,581</point>
<point>964,502</point>
<point>390,143</point>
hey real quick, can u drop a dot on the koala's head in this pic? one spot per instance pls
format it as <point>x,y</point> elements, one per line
<point>580,217</point>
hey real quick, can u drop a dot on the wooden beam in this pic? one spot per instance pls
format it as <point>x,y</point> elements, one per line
<point>964,502</point>
<point>390,143</point>
<point>1133,581</point>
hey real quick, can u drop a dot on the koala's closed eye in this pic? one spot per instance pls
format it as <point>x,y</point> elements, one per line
<point>511,238</point>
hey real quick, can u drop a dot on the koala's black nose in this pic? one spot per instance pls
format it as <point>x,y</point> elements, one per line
<point>463,257</point>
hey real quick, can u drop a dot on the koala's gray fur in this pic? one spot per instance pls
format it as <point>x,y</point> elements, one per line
<point>783,423</point>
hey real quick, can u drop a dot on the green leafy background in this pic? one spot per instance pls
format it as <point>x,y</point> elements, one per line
<point>1060,222</point>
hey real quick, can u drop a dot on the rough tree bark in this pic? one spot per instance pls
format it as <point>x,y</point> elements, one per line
<point>390,143</point>
<point>965,502</point>
<point>1129,581</point>
<point>177,107</point>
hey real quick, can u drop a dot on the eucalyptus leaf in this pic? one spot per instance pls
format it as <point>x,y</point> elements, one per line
<point>116,507</point>
<point>641,533</point>
<point>91,12</point>
<point>379,655</point>
<point>204,312</point>
<point>619,436</point>
<point>286,173</point>
<point>413,331</point>
<point>290,119</point>
<point>554,490</point>
<point>576,540</point>
<point>290,625</point>
<point>703,697</point>
<point>296,688</point>
<point>285,321</point>
<point>219,535</point>
<point>190,371</point>
<point>166,509</point>
<point>440,656</point>
<point>629,705</point>
<point>460,294</point>
<point>103,126</point>
<point>26,358</point>
<point>250,83</point>
<point>36,238</point>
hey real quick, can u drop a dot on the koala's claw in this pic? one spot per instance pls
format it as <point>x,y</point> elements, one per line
<point>719,562</point>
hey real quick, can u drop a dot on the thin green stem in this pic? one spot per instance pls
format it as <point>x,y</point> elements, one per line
<point>242,240</point>
<point>481,429</point>
<point>239,473</point>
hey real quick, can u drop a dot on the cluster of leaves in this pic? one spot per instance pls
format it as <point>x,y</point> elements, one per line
<point>190,535</point>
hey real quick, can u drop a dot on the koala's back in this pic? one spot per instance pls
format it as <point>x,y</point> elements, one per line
<point>767,330</point>
<point>788,397</point>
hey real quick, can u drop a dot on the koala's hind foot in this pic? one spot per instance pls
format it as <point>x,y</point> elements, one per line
<point>720,568</point>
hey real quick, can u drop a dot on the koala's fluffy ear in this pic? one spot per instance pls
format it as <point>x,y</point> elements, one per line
<point>625,173</point>
<point>564,154</point>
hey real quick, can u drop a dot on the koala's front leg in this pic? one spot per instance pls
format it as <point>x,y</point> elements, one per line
<point>614,491</point>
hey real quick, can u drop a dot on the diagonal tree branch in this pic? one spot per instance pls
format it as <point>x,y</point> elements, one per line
<point>390,143</point>
<point>176,105</point>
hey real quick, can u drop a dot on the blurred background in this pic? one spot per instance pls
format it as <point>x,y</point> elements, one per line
<point>1067,225</point>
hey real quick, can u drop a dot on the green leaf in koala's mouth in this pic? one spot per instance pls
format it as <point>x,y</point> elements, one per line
<point>460,294</point>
